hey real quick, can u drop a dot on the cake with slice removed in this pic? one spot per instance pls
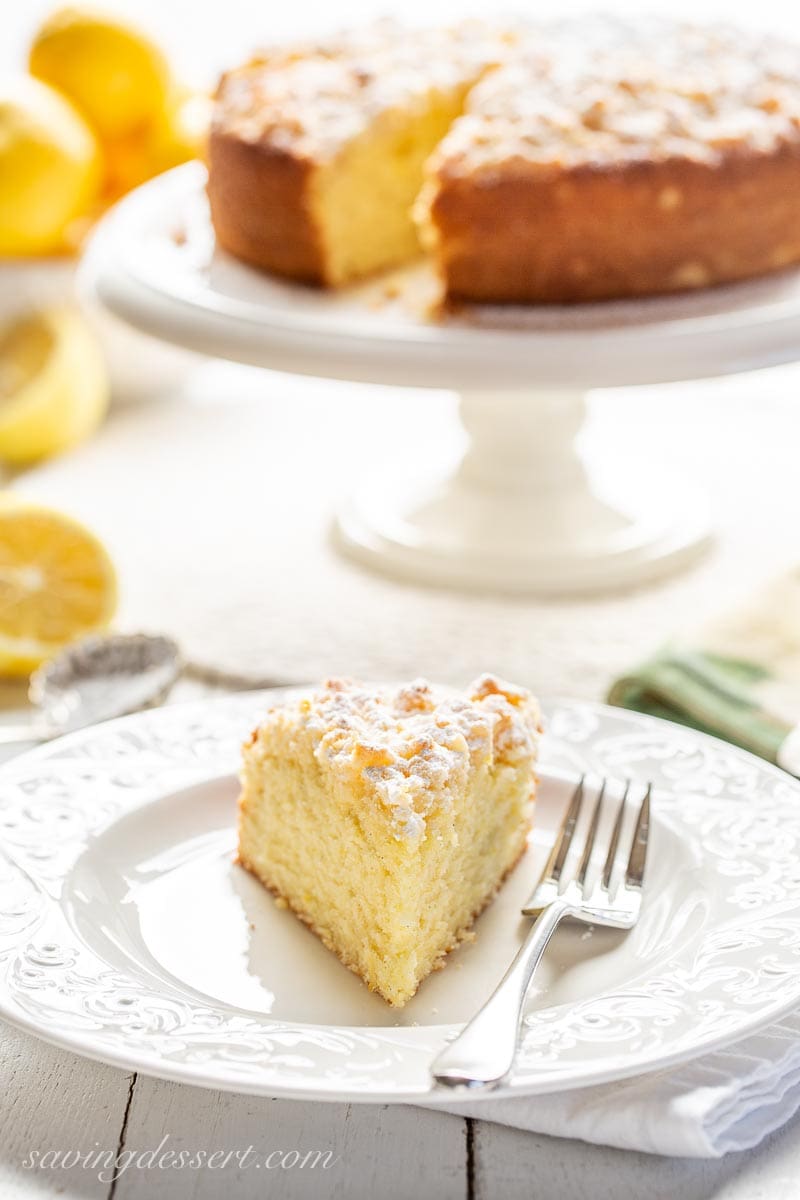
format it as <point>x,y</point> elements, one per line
<point>546,162</point>
<point>388,818</point>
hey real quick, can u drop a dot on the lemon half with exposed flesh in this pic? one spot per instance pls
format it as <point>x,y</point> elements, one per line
<point>57,584</point>
<point>53,385</point>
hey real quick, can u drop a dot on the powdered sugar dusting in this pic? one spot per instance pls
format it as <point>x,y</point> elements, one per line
<point>609,90</point>
<point>602,90</point>
<point>413,745</point>
<point>310,99</point>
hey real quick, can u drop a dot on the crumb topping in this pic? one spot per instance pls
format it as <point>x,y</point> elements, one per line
<point>312,99</point>
<point>622,91</point>
<point>411,745</point>
<point>550,95</point>
<point>414,745</point>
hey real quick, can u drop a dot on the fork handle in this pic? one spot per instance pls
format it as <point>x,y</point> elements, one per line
<point>483,1053</point>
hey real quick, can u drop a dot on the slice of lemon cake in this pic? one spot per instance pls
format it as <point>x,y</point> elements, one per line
<point>388,818</point>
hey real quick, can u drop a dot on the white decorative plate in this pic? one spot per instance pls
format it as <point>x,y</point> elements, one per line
<point>128,934</point>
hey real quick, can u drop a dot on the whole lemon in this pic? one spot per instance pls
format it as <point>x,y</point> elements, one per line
<point>50,168</point>
<point>113,73</point>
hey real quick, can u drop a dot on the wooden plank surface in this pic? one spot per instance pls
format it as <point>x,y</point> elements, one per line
<point>54,1101</point>
<point>298,1151</point>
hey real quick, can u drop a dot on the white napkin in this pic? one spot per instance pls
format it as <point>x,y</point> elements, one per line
<point>728,1100</point>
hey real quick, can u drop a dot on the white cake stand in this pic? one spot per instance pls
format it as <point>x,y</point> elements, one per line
<point>513,505</point>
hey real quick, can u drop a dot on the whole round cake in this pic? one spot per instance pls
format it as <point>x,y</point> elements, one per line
<point>556,163</point>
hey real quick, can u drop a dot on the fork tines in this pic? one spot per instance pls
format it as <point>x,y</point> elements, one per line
<point>554,881</point>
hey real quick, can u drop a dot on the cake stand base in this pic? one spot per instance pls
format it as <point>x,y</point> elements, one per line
<point>524,511</point>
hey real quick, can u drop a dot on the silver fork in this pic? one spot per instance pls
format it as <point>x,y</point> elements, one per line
<point>483,1053</point>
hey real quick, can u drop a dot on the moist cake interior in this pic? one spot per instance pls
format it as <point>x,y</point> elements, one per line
<point>363,200</point>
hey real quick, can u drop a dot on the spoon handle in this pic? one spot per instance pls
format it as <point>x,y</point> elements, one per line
<point>10,734</point>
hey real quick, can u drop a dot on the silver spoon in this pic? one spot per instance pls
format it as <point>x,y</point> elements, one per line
<point>97,679</point>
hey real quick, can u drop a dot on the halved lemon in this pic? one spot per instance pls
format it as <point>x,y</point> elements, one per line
<point>53,385</point>
<point>57,583</point>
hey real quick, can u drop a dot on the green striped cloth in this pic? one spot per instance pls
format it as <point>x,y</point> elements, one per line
<point>738,678</point>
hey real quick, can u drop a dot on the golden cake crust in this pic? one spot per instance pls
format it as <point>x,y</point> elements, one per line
<point>601,233</point>
<point>258,195</point>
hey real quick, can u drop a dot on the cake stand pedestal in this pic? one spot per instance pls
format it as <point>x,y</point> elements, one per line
<point>517,503</point>
<point>523,510</point>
